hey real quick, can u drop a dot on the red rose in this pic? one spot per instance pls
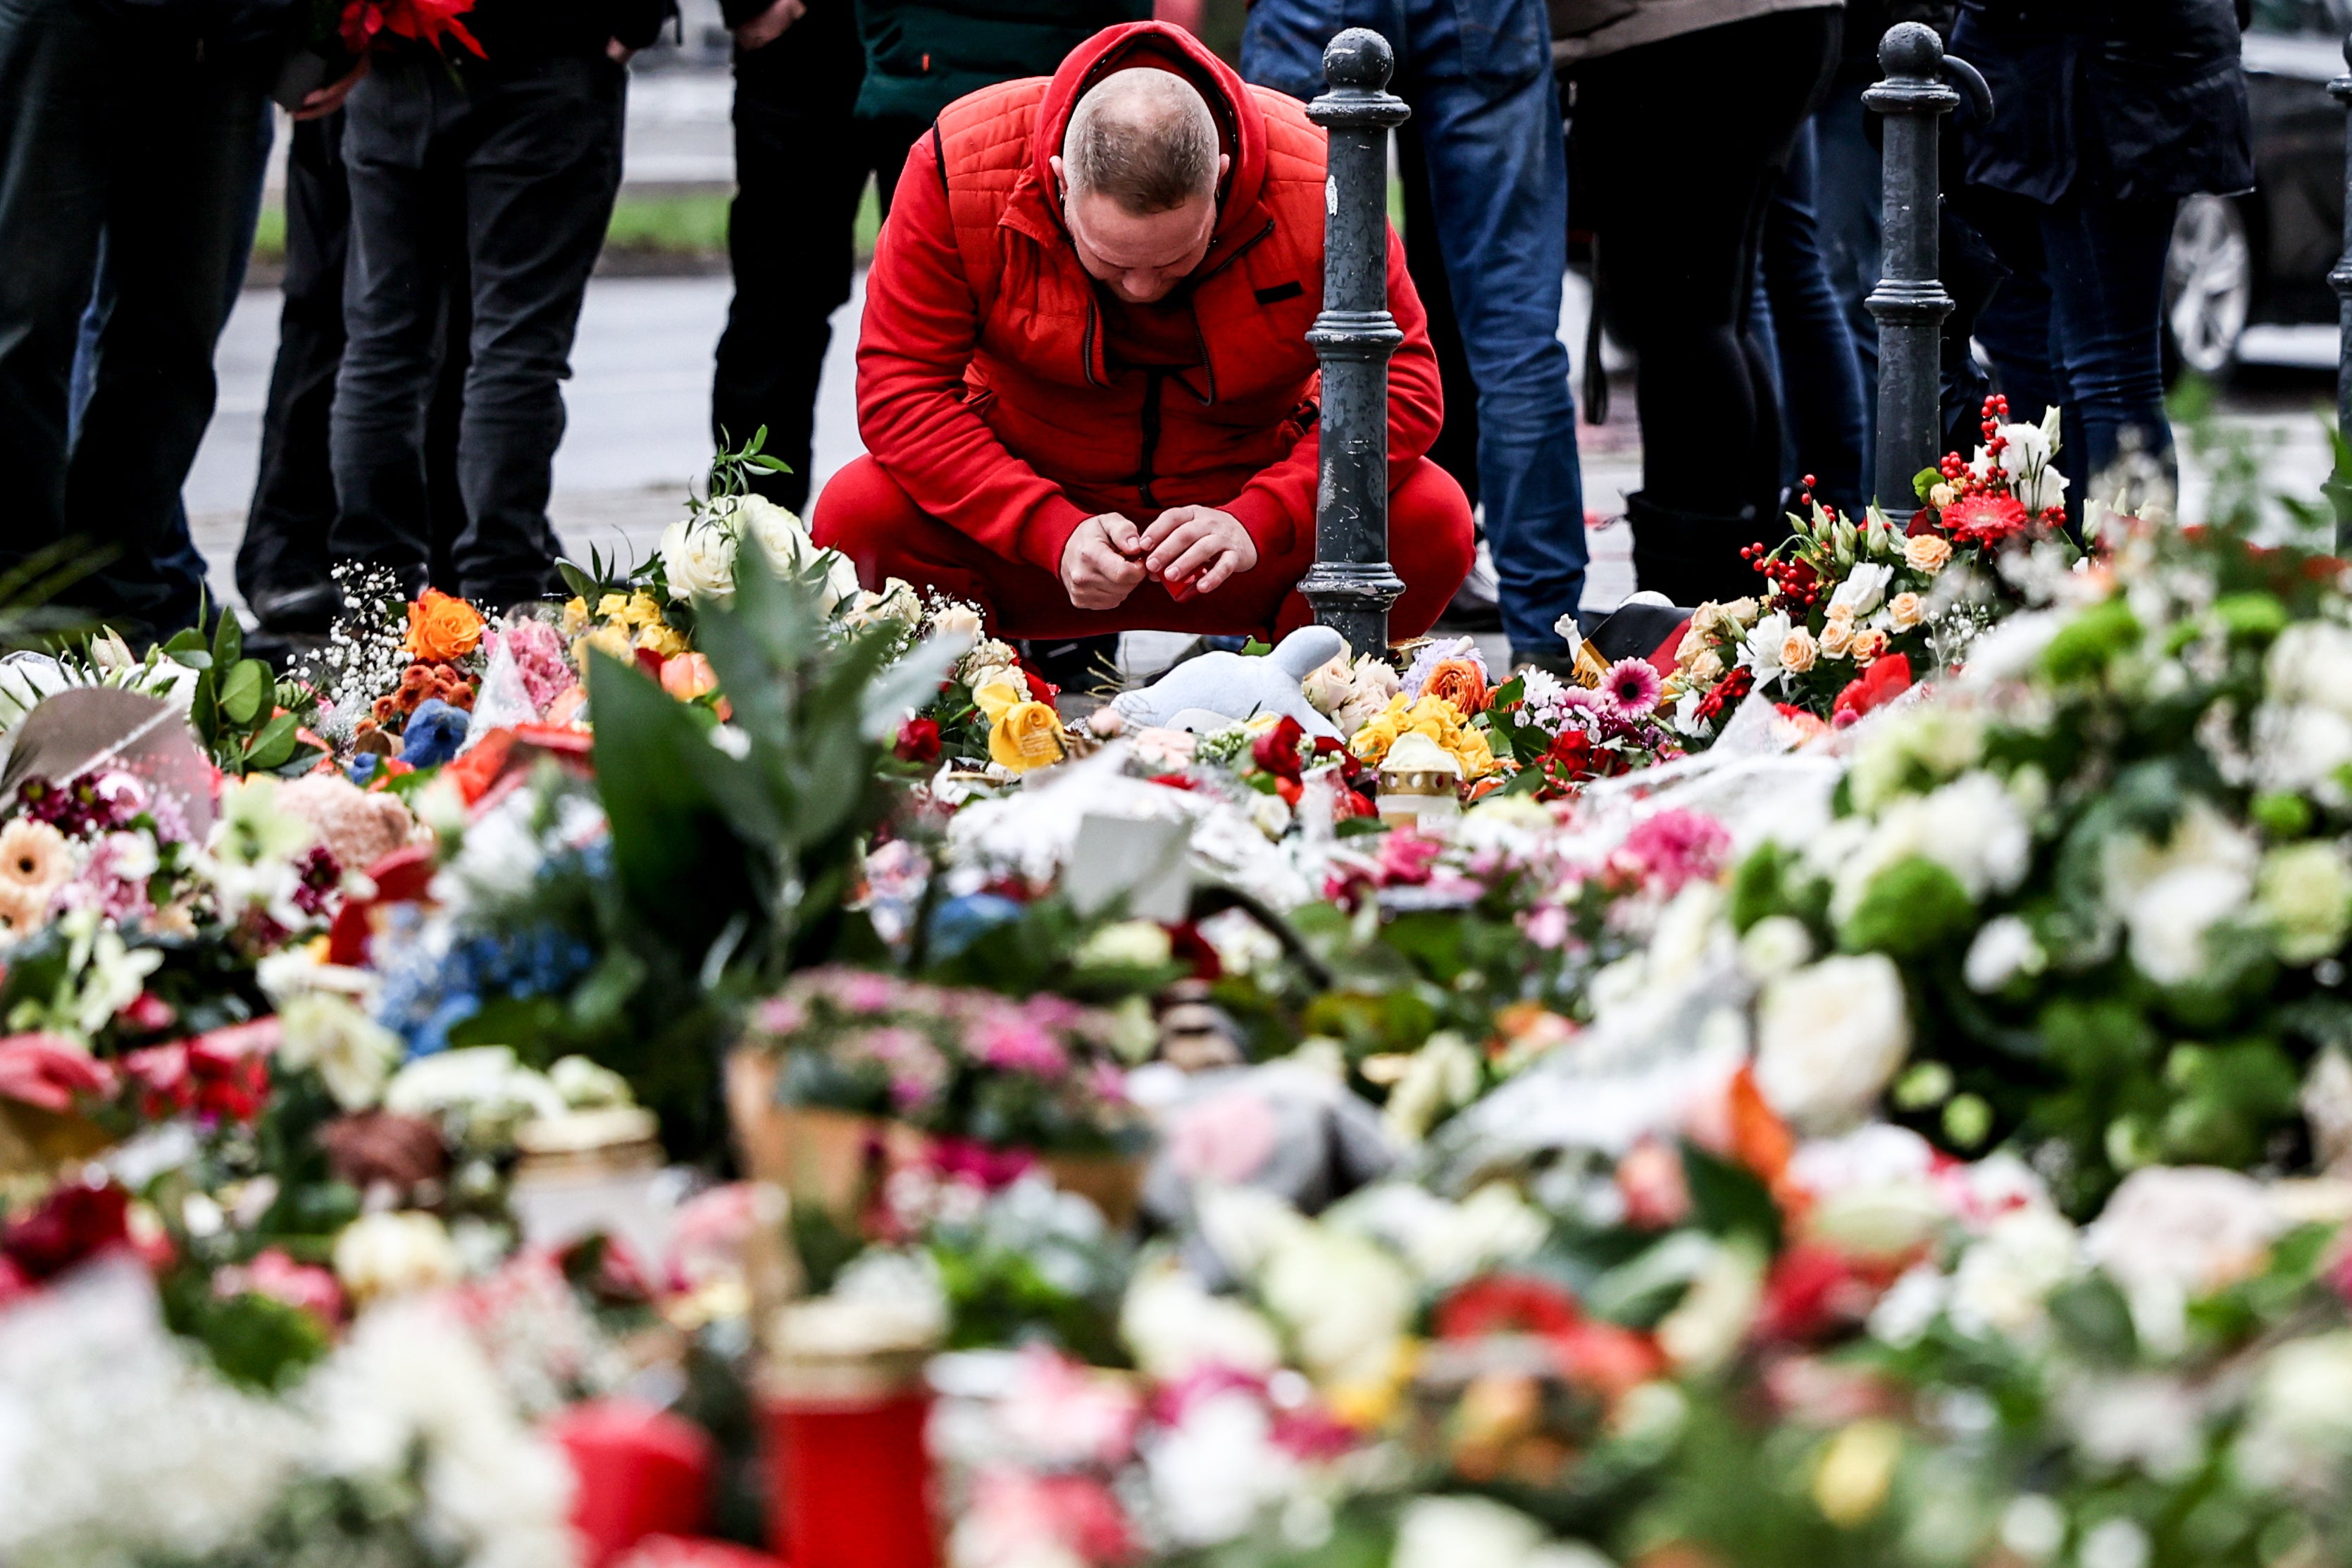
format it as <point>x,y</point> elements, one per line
<point>1811,1290</point>
<point>75,1222</point>
<point>223,1075</point>
<point>1040,689</point>
<point>1570,754</point>
<point>919,740</point>
<point>1507,1304</point>
<point>49,1072</point>
<point>1887,679</point>
<point>1276,750</point>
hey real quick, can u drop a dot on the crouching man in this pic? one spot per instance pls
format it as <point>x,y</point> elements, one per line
<point>1084,384</point>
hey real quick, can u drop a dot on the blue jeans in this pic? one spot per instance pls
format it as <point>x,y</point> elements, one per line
<point>1848,196</point>
<point>1815,369</point>
<point>178,563</point>
<point>1478,76</point>
<point>2078,324</point>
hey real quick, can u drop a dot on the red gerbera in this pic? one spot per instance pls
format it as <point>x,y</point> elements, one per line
<point>1887,679</point>
<point>426,21</point>
<point>1985,519</point>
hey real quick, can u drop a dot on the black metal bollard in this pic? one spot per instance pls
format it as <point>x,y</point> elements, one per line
<point>1351,585</point>
<point>2341,279</point>
<point>1910,303</point>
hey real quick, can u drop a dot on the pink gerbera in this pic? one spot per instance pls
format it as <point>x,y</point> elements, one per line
<point>1632,687</point>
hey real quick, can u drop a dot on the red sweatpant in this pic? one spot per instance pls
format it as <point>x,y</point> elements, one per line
<point>863,514</point>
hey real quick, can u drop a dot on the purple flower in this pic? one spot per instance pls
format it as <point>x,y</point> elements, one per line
<point>1433,653</point>
<point>1632,687</point>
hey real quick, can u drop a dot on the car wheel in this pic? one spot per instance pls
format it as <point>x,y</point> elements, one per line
<point>2209,288</point>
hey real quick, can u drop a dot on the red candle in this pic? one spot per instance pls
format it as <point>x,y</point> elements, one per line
<point>640,1471</point>
<point>849,1478</point>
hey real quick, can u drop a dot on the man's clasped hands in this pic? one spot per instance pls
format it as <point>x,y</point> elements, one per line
<point>1189,549</point>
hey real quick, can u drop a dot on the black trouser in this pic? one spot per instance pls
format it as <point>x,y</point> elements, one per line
<point>1677,180</point>
<point>103,131</point>
<point>527,155</point>
<point>801,162</point>
<point>282,565</point>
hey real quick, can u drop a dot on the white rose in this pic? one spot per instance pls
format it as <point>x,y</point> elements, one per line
<point>2005,1280</point>
<point>1129,944</point>
<point>1328,686</point>
<point>2301,1421</point>
<point>1218,1468</point>
<point>1863,590</point>
<point>1441,1530</point>
<point>1346,1302</point>
<point>1175,1328</point>
<point>779,531</point>
<point>391,1253</point>
<point>2193,1230</point>
<point>699,558</point>
<point>1774,945</point>
<point>954,619</point>
<point>2169,897</point>
<point>2304,893</point>
<point>2003,949</point>
<point>1829,1038</point>
<point>355,1056</point>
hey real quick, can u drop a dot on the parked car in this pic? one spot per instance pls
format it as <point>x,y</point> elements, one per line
<point>2263,259</point>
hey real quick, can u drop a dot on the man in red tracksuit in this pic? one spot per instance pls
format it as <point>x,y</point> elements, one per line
<point>1086,396</point>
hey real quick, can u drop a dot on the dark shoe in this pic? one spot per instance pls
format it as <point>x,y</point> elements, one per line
<point>1694,557</point>
<point>308,610</point>
<point>1075,664</point>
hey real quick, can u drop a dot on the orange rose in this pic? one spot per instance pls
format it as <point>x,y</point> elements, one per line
<point>442,627</point>
<point>687,676</point>
<point>1460,682</point>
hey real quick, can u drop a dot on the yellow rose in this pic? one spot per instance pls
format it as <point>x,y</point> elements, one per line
<point>1905,610</point>
<point>1798,650</point>
<point>1869,644</point>
<point>613,639</point>
<point>575,616</point>
<point>641,611</point>
<point>1927,552</point>
<point>1022,734</point>
<point>1837,637</point>
<point>1029,735</point>
<point>1471,748</point>
<point>1380,732</point>
<point>612,608</point>
<point>662,639</point>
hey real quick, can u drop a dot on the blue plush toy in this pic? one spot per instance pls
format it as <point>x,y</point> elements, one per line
<point>435,732</point>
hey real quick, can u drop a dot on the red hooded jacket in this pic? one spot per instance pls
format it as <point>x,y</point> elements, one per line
<point>982,386</point>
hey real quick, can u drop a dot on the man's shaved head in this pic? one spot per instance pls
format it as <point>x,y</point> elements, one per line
<point>1144,138</point>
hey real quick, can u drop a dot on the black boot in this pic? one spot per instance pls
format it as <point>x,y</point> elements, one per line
<point>1693,557</point>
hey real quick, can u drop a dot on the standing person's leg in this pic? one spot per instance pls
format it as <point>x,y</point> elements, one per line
<point>1456,448</point>
<point>180,153</point>
<point>282,564</point>
<point>1677,192</point>
<point>888,139</point>
<point>2107,296</point>
<point>1848,194</point>
<point>1499,178</point>
<point>393,281</point>
<point>543,167</point>
<point>799,174</point>
<point>54,61</point>
<point>1820,374</point>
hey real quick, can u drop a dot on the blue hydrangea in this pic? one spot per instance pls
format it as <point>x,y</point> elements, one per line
<point>434,733</point>
<point>437,981</point>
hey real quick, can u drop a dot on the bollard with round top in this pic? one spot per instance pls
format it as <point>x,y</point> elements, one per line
<point>1910,301</point>
<point>1351,584</point>
<point>2341,280</point>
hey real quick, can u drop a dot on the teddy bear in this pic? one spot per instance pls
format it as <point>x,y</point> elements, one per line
<point>1217,689</point>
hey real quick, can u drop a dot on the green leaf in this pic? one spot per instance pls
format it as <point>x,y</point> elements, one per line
<point>194,657</point>
<point>1257,650</point>
<point>242,694</point>
<point>274,745</point>
<point>582,587</point>
<point>1926,479</point>
<point>1726,1199</point>
<point>228,640</point>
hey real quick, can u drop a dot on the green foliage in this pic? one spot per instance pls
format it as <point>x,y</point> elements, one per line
<point>1910,910</point>
<point>236,702</point>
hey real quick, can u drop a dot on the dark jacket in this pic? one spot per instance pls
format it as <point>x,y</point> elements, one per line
<point>2138,99</point>
<point>923,55</point>
<point>534,30</point>
<point>241,27</point>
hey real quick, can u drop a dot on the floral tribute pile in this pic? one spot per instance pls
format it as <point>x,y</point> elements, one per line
<point>1870,1084</point>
